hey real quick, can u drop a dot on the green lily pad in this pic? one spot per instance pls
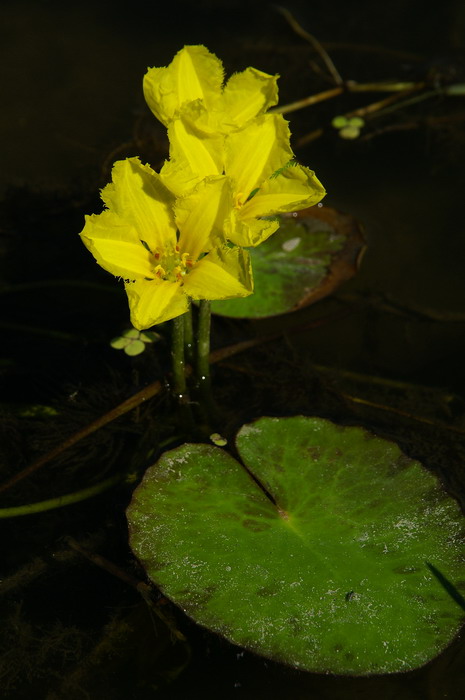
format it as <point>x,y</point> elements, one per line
<point>311,254</point>
<point>331,551</point>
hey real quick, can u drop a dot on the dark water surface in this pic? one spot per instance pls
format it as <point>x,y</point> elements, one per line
<point>72,104</point>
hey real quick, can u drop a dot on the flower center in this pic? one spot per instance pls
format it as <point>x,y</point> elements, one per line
<point>170,265</point>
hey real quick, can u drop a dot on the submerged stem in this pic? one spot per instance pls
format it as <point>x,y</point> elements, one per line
<point>60,501</point>
<point>177,356</point>
<point>188,336</point>
<point>203,343</point>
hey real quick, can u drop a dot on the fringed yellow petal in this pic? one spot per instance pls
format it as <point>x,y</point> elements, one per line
<point>201,153</point>
<point>291,189</point>
<point>160,93</point>
<point>138,195</point>
<point>251,232</point>
<point>200,216</point>
<point>154,301</point>
<point>178,177</point>
<point>194,73</point>
<point>115,246</point>
<point>222,274</point>
<point>248,94</point>
<point>255,152</point>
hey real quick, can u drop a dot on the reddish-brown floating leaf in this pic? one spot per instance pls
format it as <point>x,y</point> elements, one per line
<point>311,254</point>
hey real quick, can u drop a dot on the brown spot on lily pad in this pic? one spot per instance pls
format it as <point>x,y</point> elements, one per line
<point>402,462</point>
<point>256,525</point>
<point>405,570</point>
<point>193,600</point>
<point>295,624</point>
<point>266,592</point>
<point>315,452</point>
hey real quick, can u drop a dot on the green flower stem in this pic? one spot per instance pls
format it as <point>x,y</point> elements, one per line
<point>188,336</point>
<point>60,501</point>
<point>177,357</point>
<point>207,410</point>
<point>180,371</point>
<point>203,343</point>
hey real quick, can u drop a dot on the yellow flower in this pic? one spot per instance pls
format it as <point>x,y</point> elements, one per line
<point>216,131</point>
<point>167,250</point>
<point>196,74</point>
<point>256,158</point>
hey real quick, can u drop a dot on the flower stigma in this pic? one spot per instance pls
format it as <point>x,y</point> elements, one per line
<point>239,199</point>
<point>170,265</point>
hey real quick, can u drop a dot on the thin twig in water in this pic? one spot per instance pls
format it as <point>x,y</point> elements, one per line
<point>146,393</point>
<point>314,43</point>
<point>140,586</point>
<point>399,412</point>
<point>308,101</point>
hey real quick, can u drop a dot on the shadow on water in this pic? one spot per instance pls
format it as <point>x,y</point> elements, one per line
<point>447,585</point>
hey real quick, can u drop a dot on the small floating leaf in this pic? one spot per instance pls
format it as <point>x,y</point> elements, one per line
<point>218,440</point>
<point>339,122</point>
<point>136,347</point>
<point>349,132</point>
<point>357,122</point>
<point>149,336</point>
<point>349,127</point>
<point>119,343</point>
<point>131,333</point>
<point>311,254</point>
<point>133,341</point>
<point>329,554</point>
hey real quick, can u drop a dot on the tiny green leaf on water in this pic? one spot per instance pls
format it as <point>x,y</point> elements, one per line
<point>218,440</point>
<point>133,341</point>
<point>136,347</point>
<point>339,122</point>
<point>335,564</point>
<point>357,122</point>
<point>131,333</point>
<point>149,337</point>
<point>349,132</point>
<point>119,343</point>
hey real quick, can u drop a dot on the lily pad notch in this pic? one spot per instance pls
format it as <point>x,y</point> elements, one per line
<point>324,566</point>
